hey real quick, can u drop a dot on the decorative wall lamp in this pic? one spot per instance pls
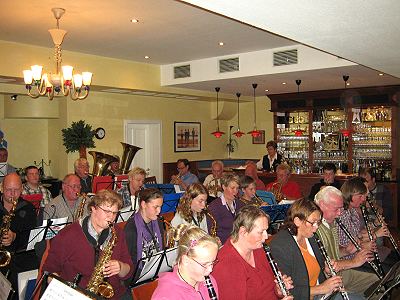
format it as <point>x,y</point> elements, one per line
<point>238,133</point>
<point>255,132</point>
<point>67,83</point>
<point>217,133</point>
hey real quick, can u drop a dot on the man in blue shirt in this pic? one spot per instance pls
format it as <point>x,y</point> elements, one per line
<point>184,177</point>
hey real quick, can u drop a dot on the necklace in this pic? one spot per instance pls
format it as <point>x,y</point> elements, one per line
<point>181,277</point>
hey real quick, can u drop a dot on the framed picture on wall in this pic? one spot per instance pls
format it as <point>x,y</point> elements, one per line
<point>187,136</point>
<point>259,139</point>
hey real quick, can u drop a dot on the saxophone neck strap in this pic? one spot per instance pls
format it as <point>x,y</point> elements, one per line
<point>96,244</point>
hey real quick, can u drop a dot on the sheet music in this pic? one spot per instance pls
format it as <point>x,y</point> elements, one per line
<point>5,287</point>
<point>3,169</point>
<point>169,260</point>
<point>286,202</point>
<point>37,234</point>
<point>56,290</point>
<point>178,189</point>
<point>124,214</point>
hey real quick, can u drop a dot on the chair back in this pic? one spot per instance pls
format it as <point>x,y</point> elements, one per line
<point>144,291</point>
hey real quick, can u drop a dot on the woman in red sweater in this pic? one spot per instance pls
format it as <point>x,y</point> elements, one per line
<point>242,271</point>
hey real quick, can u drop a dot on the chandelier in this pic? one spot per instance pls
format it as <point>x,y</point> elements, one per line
<point>67,83</point>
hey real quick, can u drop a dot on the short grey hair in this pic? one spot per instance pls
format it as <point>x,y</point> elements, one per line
<point>323,194</point>
<point>217,162</point>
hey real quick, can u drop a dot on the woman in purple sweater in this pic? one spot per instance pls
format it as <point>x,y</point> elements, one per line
<point>190,279</point>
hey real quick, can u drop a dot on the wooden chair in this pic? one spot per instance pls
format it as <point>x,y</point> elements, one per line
<point>150,180</point>
<point>42,261</point>
<point>144,291</point>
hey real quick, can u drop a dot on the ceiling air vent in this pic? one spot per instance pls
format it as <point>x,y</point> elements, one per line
<point>229,65</point>
<point>284,58</point>
<point>182,71</point>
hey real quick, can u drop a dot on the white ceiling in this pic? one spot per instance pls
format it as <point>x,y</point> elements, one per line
<point>365,32</point>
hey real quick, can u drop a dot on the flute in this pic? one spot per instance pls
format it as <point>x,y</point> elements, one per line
<point>380,219</point>
<point>328,261</point>
<point>371,238</point>
<point>358,247</point>
<point>277,274</point>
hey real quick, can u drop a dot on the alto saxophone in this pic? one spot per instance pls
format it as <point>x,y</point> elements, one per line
<point>277,191</point>
<point>5,256</point>
<point>213,229</point>
<point>97,284</point>
<point>81,209</point>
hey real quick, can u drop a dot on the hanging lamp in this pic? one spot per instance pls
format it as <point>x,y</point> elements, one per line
<point>298,131</point>
<point>345,131</point>
<point>217,133</point>
<point>238,133</point>
<point>255,132</point>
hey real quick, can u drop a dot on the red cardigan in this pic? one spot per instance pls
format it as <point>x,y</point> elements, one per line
<point>236,279</point>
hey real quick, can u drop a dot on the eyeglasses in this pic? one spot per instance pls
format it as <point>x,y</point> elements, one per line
<point>315,224</point>
<point>205,266</point>
<point>107,212</point>
<point>74,186</point>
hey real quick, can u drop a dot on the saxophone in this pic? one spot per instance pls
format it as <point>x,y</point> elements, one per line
<point>277,191</point>
<point>5,256</point>
<point>81,208</point>
<point>97,284</point>
<point>213,229</point>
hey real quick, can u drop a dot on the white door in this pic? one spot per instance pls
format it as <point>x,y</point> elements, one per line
<point>147,135</point>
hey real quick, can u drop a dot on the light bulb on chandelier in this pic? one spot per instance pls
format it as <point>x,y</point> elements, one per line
<point>67,83</point>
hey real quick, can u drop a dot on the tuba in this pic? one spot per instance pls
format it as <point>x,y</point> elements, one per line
<point>129,152</point>
<point>97,284</point>
<point>101,162</point>
<point>5,256</point>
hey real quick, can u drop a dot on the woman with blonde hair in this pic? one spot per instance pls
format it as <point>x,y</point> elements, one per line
<point>191,207</point>
<point>190,279</point>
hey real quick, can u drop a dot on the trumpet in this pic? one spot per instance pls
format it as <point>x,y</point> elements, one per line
<point>358,247</point>
<point>380,219</point>
<point>328,261</point>
<point>277,274</point>
<point>369,232</point>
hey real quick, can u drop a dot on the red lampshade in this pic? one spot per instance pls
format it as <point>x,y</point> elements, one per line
<point>255,132</point>
<point>345,132</point>
<point>217,133</point>
<point>238,133</point>
<point>298,132</point>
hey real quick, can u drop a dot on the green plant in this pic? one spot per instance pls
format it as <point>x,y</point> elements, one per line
<point>78,137</point>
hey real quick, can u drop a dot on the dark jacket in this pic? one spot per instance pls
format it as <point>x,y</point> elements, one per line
<point>275,163</point>
<point>316,187</point>
<point>287,255</point>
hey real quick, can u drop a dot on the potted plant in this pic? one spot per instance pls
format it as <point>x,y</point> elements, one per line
<point>78,137</point>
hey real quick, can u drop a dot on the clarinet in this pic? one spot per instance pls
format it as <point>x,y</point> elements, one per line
<point>370,236</point>
<point>382,221</point>
<point>328,261</point>
<point>277,274</point>
<point>358,247</point>
<point>211,291</point>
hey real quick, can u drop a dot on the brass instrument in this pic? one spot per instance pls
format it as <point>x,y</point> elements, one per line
<point>97,284</point>
<point>81,209</point>
<point>214,187</point>
<point>101,162</point>
<point>328,261</point>
<point>371,238</point>
<point>380,219</point>
<point>277,191</point>
<point>277,274</point>
<point>5,256</point>
<point>169,239</point>
<point>129,152</point>
<point>213,229</point>
<point>358,247</point>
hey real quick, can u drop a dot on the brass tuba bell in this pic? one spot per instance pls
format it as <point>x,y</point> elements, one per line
<point>129,152</point>
<point>101,161</point>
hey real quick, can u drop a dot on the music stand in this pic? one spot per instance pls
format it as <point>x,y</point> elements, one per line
<point>165,188</point>
<point>3,169</point>
<point>102,183</point>
<point>277,213</point>
<point>148,268</point>
<point>386,285</point>
<point>124,215</point>
<point>170,202</point>
<point>48,230</point>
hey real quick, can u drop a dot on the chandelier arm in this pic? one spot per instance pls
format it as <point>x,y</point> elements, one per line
<point>41,88</point>
<point>50,94</point>
<point>34,96</point>
<point>64,90</point>
<point>84,96</point>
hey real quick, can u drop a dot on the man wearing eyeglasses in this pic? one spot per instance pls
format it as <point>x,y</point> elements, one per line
<point>68,202</point>
<point>78,248</point>
<point>184,177</point>
<point>330,201</point>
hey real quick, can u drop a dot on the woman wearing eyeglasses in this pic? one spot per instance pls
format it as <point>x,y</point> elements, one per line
<point>243,271</point>
<point>297,254</point>
<point>144,231</point>
<point>78,247</point>
<point>190,279</point>
<point>191,207</point>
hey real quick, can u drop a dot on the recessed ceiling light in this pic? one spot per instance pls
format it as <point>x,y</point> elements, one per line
<point>221,43</point>
<point>380,74</point>
<point>283,83</point>
<point>147,57</point>
<point>134,21</point>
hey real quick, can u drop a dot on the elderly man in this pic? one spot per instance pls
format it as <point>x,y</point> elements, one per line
<point>328,178</point>
<point>23,219</point>
<point>81,167</point>
<point>213,180</point>
<point>184,177</point>
<point>76,249</point>
<point>330,200</point>
<point>33,186</point>
<point>282,188</point>
<point>68,202</point>
<point>130,193</point>
<point>8,168</point>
